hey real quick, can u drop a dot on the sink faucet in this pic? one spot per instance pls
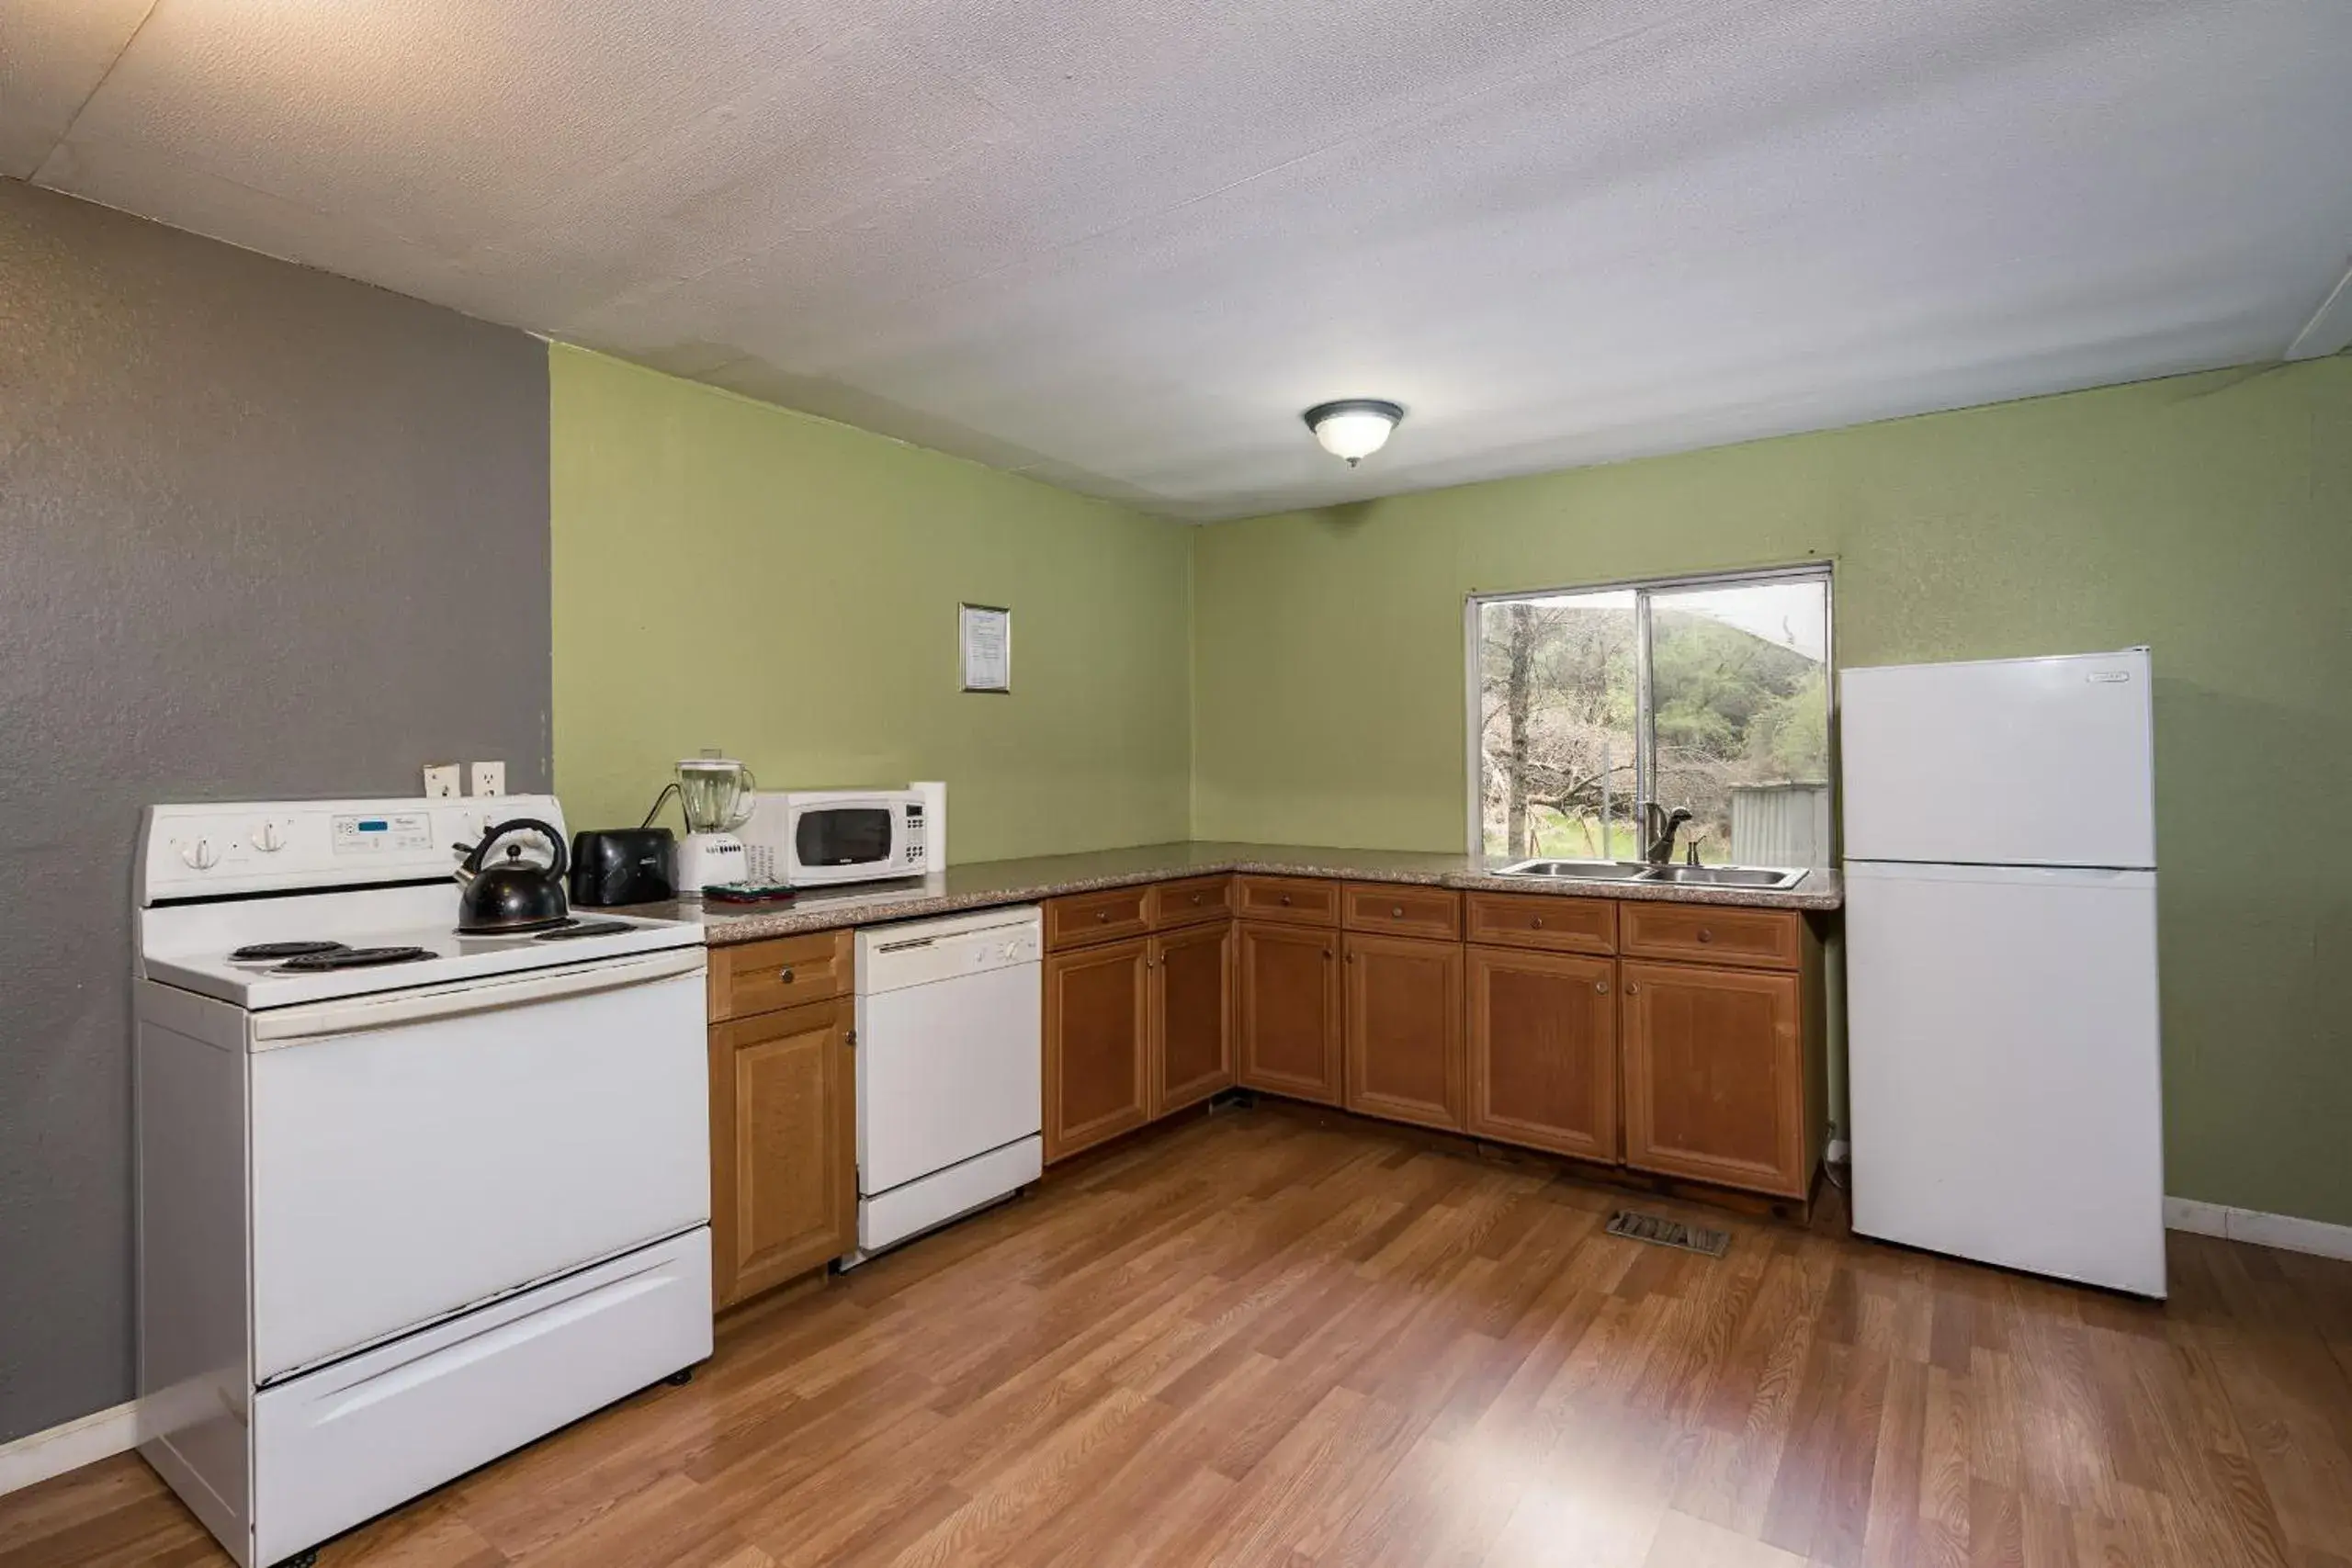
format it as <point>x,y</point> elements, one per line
<point>1660,826</point>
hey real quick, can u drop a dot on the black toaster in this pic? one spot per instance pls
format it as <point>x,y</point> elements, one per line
<point>622,865</point>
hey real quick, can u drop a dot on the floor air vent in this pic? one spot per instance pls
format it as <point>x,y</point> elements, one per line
<point>1637,1227</point>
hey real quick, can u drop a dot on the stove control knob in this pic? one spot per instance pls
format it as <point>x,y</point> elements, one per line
<point>268,840</point>
<point>200,855</point>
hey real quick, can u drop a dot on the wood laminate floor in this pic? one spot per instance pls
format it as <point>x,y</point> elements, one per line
<point>1270,1337</point>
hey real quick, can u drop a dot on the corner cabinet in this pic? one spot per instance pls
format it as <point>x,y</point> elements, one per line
<point>1138,1007</point>
<point>1290,1005</point>
<point>783,1112</point>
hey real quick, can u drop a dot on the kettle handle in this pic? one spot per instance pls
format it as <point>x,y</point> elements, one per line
<point>473,861</point>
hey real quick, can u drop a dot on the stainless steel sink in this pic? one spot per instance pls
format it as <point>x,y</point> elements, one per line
<point>1725,876</point>
<point>1579,870</point>
<point>1641,871</point>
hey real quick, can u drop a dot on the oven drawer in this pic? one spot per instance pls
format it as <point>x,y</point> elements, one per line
<point>783,972</point>
<point>344,1443</point>
<point>406,1172</point>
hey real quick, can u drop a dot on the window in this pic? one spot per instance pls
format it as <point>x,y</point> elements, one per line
<point>1710,696</point>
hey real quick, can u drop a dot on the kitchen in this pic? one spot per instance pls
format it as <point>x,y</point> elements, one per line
<point>274,536</point>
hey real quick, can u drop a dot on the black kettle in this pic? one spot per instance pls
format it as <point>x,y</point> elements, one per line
<point>513,894</point>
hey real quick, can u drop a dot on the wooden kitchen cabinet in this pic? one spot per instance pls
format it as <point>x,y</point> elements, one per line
<point>1289,1006</point>
<point>1405,1058</point>
<point>1543,1051</point>
<point>1192,1015</point>
<point>782,1147</point>
<point>1097,1044</point>
<point>1715,1081</point>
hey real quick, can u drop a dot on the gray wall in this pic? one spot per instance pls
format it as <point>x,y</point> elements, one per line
<point>263,533</point>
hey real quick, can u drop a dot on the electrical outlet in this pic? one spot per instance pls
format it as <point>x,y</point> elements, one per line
<point>488,779</point>
<point>440,781</point>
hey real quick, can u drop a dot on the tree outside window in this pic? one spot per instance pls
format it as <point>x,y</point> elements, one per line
<point>1713,697</point>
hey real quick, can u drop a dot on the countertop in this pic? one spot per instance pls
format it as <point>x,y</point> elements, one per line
<point>984,883</point>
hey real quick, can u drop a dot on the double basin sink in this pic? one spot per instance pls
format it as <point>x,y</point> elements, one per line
<point>1758,876</point>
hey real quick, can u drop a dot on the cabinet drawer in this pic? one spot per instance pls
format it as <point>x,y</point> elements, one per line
<point>1298,900</point>
<point>1401,911</point>
<point>1699,934</point>
<point>1193,900</point>
<point>1535,919</point>
<point>786,971</point>
<point>1082,917</point>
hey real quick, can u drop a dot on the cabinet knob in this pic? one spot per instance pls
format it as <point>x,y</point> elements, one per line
<point>1351,958</point>
<point>1285,900</point>
<point>1537,922</point>
<point>1326,952</point>
<point>1102,915</point>
<point>1706,935</point>
<point>1196,898</point>
<point>1397,913</point>
<point>1601,986</point>
<point>784,976</point>
<point>1632,989</point>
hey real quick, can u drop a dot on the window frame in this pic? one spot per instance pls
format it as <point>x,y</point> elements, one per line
<point>1823,570</point>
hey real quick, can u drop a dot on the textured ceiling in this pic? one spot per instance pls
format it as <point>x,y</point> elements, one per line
<point>1120,246</point>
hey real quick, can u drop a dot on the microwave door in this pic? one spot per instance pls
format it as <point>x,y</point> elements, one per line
<point>840,842</point>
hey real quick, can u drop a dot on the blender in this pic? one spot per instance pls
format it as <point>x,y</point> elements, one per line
<point>715,794</point>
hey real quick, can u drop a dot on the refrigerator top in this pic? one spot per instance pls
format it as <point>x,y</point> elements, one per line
<point>2011,762</point>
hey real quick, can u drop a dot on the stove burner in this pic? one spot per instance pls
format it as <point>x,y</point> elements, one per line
<point>353,958</point>
<point>271,951</point>
<point>582,928</point>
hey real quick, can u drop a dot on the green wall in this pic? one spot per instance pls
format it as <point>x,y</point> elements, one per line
<point>2209,516</point>
<point>729,574</point>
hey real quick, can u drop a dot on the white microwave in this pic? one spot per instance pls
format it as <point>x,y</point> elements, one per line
<point>818,838</point>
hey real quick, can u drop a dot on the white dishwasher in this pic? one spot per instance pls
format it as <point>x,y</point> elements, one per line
<point>950,1077</point>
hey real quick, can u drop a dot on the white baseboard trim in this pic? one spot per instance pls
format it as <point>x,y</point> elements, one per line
<point>37,1456</point>
<point>2316,1237</point>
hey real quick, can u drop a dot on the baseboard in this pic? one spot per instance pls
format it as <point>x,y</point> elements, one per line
<point>2284,1231</point>
<point>37,1456</point>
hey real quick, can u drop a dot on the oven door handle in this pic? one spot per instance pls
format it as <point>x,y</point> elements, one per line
<point>288,1026</point>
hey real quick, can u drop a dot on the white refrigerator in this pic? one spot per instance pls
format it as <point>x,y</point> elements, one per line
<point>2003,1048</point>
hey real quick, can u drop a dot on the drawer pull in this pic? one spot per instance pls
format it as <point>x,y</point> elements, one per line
<point>1601,986</point>
<point>1196,898</point>
<point>1397,913</point>
<point>1631,989</point>
<point>1285,900</point>
<point>784,976</point>
<point>1706,935</point>
<point>1537,922</point>
<point>1101,916</point>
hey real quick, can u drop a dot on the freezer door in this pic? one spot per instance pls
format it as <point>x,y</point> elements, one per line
<point>2013,762</point>
<point>2004,1067</point>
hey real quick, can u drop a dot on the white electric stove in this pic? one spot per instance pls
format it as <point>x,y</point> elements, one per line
<point>407,1199</point>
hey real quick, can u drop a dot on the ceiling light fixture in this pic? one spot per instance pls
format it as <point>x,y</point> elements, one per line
<point>1353,428</point>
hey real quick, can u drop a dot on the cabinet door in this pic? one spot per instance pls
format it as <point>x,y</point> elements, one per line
<point>1289,1004</point>
<point>1404,1026</point>
<point>1098,1082</point>
<point>1714,1082</point>
<point>1192,1016</point>
<point>1544,1051</point>
<point>782,1147</point>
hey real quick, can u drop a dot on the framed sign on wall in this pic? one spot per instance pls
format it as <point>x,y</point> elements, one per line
<point>986,634</point>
